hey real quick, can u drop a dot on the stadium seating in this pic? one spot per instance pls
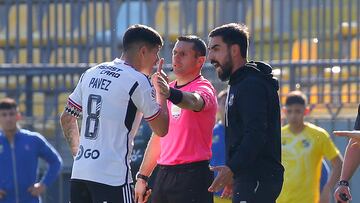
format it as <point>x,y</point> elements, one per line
<point>202,29</point>
<point>38,104</point>
<point>64,56</point>
<point>172,29</point>
<point>350,93</point>
<point>260,17</point>
<point>355,48</point>
<point>17,25</point>
<point>130,13</point>
<point>95,18</point>
<point>2,56</point>
<point>99,55</point>
<point>349,29</point>
<point>56,24</point>
<point>22,56</point>
<point>300,49</point>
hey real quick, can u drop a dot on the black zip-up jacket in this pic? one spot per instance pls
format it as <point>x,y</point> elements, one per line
<point>253,129</point>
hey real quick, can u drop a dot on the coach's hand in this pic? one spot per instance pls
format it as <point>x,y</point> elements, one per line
<point>2,194</point>
<point>37,189</point>
<point>223,178</point>
<point>228,191</point>
<point>142,193</point>
<point>342,190</point>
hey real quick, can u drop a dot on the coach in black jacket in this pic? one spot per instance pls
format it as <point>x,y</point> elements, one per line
<point>253,167</point>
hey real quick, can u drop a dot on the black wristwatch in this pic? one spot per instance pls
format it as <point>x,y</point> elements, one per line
<point>144,177</point>
<point>343,183</point>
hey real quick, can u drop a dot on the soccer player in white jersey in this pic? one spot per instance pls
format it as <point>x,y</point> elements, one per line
<point>112,98</point>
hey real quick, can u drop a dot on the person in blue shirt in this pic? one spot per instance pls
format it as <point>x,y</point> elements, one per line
<point>218,141</point>
<point>19,153</point>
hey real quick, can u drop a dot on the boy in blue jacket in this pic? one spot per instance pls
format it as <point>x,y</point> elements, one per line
<point>19,153</point>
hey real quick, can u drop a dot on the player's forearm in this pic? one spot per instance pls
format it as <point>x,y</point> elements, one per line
<point>336,164</point>
<point>71,131</point>
<point>151,155</point>
<point>192,101</point>
<point>351,160</point>
<point>160,125</point>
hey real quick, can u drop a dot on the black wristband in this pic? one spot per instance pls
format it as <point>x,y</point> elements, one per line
<point>343,183</point>
<point>175,95</point>
<point>141,176</point>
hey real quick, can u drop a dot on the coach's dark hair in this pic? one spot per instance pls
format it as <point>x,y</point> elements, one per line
<point>141,34</point>
<point>233,33</point>
<point>199,44</point>
<point>296,97</point>
<point>7,104</point>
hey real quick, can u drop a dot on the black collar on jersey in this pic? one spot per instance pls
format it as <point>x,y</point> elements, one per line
<point>181,86</point>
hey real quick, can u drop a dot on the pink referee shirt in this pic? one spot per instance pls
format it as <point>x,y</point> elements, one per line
<point>190,133</point>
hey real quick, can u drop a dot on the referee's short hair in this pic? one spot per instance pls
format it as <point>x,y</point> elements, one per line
<point>199,44</point>
<point>141,34</point>
<point>233,33</point>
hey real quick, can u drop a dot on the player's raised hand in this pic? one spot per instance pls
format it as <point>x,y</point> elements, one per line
<point>160,82</point>
<point>160,65</point>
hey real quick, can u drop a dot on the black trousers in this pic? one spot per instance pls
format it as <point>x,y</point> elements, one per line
<point>256,191</point>
<point>82,191</point>
<point>184,183</point>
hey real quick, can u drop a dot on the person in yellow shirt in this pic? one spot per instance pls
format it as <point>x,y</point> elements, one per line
<point>303,147</point>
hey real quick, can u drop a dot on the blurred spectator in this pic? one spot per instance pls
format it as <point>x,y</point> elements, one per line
<point>303,147</point>
<point>351,161</point>
<point>19,153</point>
<point>218,141</point>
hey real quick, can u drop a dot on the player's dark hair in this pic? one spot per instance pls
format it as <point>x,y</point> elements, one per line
<point>141,34</point>
<point>233,33</point>
<point>296,97</point>
<point>199,44</point>
<point>7,104</point>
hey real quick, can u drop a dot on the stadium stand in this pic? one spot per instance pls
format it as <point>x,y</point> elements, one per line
<point>17,20</point>
<point>21,56</point>
<point>95,18</point>
<point>174,25</point>
<point>64,56</point>
<point>300,49</point>
<point>355,48</point>
<point>57,22</point>
<point>212,12</point>
<point>2,56</point>
<point>99,55</point>
<point>130,12</point>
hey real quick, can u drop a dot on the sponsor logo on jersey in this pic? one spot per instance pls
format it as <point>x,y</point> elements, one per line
<point>87,153</point>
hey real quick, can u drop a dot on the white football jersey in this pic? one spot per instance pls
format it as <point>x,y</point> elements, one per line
<point>113,97</point>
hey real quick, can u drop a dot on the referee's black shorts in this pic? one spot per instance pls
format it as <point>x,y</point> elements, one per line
<point>183,183</point>
<point>82,191</point>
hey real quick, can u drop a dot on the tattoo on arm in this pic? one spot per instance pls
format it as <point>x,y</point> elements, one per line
<point>70,128</point>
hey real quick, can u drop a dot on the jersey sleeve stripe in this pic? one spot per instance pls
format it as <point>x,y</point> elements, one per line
<point>75,104</point>
<point>133,88</point>
<point>153,116</point>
